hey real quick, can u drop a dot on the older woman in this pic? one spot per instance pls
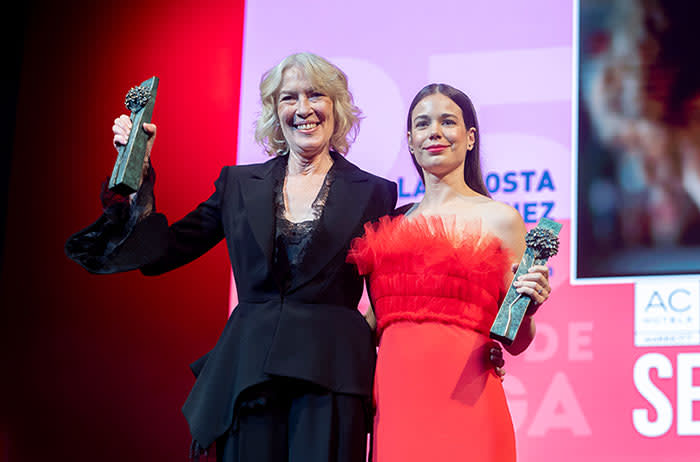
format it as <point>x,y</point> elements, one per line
<point>437,276</point>
<point>291,375</point>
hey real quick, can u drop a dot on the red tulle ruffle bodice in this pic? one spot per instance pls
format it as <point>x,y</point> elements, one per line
<point>422,269</point>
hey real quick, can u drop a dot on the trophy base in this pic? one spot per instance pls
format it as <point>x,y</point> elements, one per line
<point>123,189</point>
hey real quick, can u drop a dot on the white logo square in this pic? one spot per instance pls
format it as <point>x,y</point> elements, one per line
<point>667,312</point>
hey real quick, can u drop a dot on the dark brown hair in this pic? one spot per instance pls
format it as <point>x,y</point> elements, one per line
<point>472,163</point>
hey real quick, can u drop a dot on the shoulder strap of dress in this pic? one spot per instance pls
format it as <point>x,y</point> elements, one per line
<point>404,209</point>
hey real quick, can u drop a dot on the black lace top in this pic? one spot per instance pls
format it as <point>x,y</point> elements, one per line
<point>292,239</point>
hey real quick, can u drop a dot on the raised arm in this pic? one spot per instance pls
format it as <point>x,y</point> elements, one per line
<point>131,235</point>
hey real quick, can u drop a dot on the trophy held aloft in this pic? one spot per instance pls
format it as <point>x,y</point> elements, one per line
<point>128,169</point>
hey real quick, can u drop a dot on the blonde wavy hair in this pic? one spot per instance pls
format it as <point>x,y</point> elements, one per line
<point>326,78</point>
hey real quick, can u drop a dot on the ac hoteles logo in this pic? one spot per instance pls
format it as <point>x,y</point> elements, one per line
<point>667,312</point>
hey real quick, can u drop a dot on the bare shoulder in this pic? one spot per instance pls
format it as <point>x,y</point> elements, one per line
<point>501,217</point>
<point>505,222</point>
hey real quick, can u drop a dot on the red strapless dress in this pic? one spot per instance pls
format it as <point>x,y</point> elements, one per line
<point>435,293</point>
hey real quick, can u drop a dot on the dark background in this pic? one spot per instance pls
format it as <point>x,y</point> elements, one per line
<point>95,367</point>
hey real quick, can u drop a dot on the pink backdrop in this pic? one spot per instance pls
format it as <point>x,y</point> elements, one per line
<point>583,391</point>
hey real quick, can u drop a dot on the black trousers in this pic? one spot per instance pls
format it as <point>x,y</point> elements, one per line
<point>288,420</point>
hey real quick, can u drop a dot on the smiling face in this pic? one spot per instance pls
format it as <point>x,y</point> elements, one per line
<point>305,115</point>
<point>438,138</point>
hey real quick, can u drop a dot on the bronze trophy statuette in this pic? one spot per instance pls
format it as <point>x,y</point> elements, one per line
<point>128,169</point>
<point>542,242</point>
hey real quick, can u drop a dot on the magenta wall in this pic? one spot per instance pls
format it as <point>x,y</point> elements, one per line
<point>96,367</point>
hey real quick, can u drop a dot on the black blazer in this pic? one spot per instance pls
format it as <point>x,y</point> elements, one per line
<point>312,330</point>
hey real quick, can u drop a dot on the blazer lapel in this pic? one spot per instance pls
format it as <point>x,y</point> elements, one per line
<point>258,197</point>
<point>347,200</point>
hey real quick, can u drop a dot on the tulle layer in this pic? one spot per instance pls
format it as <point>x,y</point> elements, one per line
<point>424,269</point>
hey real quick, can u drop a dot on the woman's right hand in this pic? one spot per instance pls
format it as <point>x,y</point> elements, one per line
<point>122,128</point>
<point>371,318</point>
<point>496,360</point>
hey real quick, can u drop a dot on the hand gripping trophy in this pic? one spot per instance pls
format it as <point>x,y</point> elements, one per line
<point>542,242</point>
<point>128,169</point>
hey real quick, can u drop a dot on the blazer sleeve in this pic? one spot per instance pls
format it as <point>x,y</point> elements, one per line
<point>124,239</point>
<point>392,196</point>
<point>384,201</point>
<point>193,235</point>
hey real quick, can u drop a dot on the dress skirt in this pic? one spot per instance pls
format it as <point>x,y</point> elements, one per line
<point>438,397</point>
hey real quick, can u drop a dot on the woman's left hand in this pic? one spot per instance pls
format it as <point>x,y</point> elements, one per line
<point>535,284</point>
